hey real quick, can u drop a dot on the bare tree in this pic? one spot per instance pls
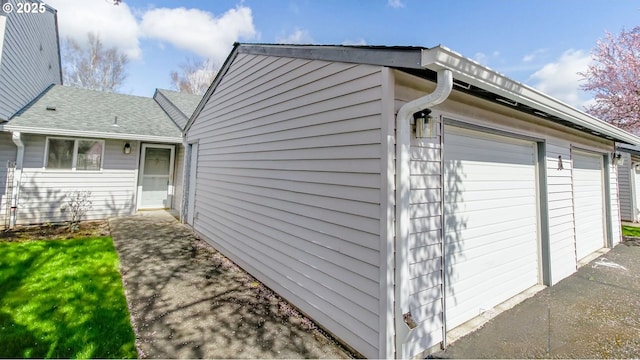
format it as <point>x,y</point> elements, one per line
<point>194,77</point>
<point>93,67</point>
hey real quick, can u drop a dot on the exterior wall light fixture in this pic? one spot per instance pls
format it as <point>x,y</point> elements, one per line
<point>127,148</point>
<point>560,165</point>
<point>424,124</point>
<point>617,159</point>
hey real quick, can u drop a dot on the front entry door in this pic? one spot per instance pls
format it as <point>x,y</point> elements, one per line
<point>155,185</point>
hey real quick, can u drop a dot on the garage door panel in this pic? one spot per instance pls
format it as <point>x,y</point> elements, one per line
<point>494,206</point>
<point>495,293</point>
<point>460,195</point>
<point>491,253</point>
<point>481,149</point>
<point>475,283</point>
<point>491,240</point>
<point>490,220</point>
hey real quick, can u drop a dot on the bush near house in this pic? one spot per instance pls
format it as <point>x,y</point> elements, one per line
<point>63,299</point>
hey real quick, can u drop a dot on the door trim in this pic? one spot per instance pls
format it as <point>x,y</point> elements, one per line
<point>192,174</point>
<point>170,188</point>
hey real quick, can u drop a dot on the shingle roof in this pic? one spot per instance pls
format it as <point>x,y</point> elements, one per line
<point>186,103</point>
<point>88,111</point>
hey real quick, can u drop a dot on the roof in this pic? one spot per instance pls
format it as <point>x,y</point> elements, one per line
<point>632,149</point>
<point>469,76</point>
<point>72,111</point>
<point>186,103</point>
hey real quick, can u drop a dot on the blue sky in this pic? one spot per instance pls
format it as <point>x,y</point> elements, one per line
<point>542,43</point>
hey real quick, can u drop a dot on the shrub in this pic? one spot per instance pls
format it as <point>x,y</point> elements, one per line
<point>76,204</point>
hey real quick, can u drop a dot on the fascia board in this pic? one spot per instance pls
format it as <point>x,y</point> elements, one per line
<point>478,75</point>
<point>93,134</point>
<point>212,88</point>
<point>3,26</point>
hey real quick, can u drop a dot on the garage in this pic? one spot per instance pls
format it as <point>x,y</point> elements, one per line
<point>588,187</point>
<point>491,222</point>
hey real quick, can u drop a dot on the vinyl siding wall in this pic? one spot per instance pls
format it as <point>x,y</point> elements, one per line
<point>616,230</point>
<point>625,189</point>
<point>562,245</point>
<point>289,185</point>
<point>425,239</point>
<point>29,61</point>
<point>42,191</point>
<point>426,236</point>
<point>7,153</point>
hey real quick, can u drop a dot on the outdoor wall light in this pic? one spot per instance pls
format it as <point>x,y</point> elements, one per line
<point>560,165</point>
<point>127,148</point>
<point>617,159</point>
<point>424,124</point>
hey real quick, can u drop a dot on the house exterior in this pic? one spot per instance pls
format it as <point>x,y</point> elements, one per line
<point>54,140</point>
<point>124,149</point>
<point>395,193</point>
<point>629,182</point>
<point>29,63</point>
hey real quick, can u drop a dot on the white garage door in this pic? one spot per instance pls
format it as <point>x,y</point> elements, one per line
<point>588,202</point>
<point>491,227</point>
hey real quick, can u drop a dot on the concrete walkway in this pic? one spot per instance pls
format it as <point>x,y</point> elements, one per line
<point>594,313</point>
<point>188,301</point>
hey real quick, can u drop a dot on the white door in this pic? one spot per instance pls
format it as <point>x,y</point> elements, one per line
<point>155,185</point>
<point>635,170</point>
<point>490,225</point>
<point>588,202</point>
<point>191,183</point>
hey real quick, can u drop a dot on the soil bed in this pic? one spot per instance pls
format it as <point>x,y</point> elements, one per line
<point>55,231</point>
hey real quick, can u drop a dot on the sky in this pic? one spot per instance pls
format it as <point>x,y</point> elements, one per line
<point>542,43</point>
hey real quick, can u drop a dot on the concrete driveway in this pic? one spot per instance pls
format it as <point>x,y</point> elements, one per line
<point>594,313</point>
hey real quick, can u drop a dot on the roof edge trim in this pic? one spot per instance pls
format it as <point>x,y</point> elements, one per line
<point>481,76</point>
<point>91,134</point>
<point>221,73</point>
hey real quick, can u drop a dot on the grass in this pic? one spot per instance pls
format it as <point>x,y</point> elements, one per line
<point>63,299</point>
<point>630,231</point>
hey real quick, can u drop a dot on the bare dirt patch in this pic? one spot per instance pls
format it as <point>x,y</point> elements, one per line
<point>55,231</point>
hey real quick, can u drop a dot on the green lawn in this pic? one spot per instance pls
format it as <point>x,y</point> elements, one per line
<point>630,231</point>
<point>63,299</point>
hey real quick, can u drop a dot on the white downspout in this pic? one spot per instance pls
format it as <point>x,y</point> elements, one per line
<point>17,175</point>
<point>403,192</point>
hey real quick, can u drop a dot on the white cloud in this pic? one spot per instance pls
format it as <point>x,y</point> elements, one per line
<point>534,55</point>
<point>560,79</point>
<point>298,36</point>
<point>355,42</point>
<point>486,59</point>
<point>395,3</point>
<point>199,31</point>
<point>115,25</point>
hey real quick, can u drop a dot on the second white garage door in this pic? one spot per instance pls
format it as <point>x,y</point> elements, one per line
<point>491,227</point>
<point>588,202</point>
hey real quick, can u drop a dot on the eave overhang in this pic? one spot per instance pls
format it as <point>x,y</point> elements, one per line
<point>92,134</point>
<point>486,83</point>
<point>469,77</point>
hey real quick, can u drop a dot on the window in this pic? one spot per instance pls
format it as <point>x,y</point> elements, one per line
<point>74,154</point>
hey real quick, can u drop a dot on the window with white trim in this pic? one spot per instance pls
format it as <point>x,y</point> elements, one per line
<point>74,154</point>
